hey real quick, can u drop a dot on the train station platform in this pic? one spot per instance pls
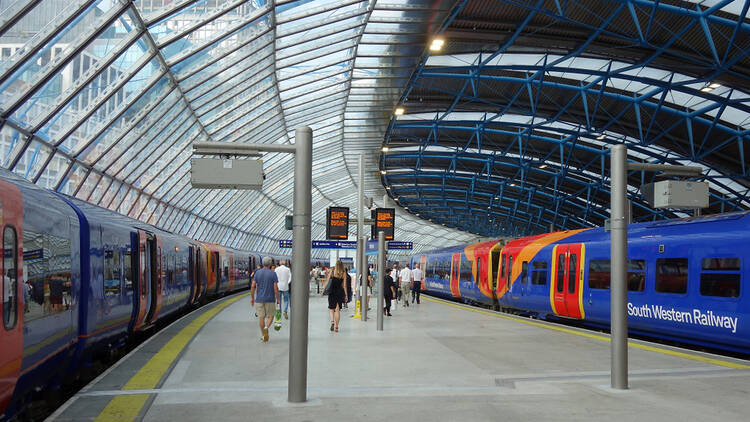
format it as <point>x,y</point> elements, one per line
<point>437,361</point>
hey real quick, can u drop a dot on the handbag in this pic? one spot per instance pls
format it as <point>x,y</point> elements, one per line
<point>327,290</point>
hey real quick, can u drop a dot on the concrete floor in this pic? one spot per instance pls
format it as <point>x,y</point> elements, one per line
<point>432,362</point>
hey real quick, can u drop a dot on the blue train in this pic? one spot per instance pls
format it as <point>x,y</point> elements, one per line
<point>684,278</point>
<point>78,281</point>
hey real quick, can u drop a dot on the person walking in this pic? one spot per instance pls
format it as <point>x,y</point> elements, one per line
<point>394,276</point>
<point>389,292</point>
<point>266,284</point>
<point>337,294</point>
<point>284,274</point>
<point>416,276</point>
<point>405,277</point>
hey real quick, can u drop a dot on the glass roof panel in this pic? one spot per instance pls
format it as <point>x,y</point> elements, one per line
<point>147,110</point>
<point>36,58</point>
<point>130,103</point>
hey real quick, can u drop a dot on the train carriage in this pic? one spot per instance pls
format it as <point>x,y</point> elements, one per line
<point>685,278</point>
<point>78,281</point>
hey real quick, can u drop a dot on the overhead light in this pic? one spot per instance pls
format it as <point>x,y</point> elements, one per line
<point>437,44</point>
<point>706,89</point>
<point>385,149</point>
<point>417,214</point>
<point>513,184</point>
<point>602,136</point>
<point>398,111</point>
<point>406,208</point>
<point>543,166</point>
<point>387,188</point>
<point>714,85</point>
<point>497,198</point>
<point>382,171</point>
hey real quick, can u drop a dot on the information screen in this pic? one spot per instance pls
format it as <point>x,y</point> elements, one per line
<point>385,219</point>
<point>337,223</point>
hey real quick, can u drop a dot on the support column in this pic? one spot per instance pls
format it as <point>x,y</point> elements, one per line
<point>360,231</point>
<point>381,277</point>
<point>301,249</point>
<point>365,273</point>
<point>618,269</point>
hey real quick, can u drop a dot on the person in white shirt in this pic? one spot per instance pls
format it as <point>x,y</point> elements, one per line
<point>416,276</point>
<point>405,278</point>
<point>284,274</point>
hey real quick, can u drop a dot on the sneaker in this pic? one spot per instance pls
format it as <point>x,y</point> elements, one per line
<point>265,334</point>
<point>286,316</point>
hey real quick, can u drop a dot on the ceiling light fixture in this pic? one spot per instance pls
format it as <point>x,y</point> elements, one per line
<point>714,85</point>
<point>385,149</point>
<point>382,171</point>
<point>601,137</point>
<point>437,44</point>
<point>706,89</point>
<point>543,166</point>
<point>399,111</point>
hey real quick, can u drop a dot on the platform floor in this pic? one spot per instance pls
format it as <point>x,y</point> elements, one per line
<point>436,361</point>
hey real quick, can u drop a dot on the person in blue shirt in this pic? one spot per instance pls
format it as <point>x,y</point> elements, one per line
<point>265,283</point>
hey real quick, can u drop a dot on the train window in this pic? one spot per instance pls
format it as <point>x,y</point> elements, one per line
<point>111,283</point>
<point>524,271</point>
<point>465,272</point>
<point>560,273</point>
<point>671,275</point>
<point>47,274</point>
<point>502,268</point>
<point>479,267</point>
<point>127,266</point>
<point>599,273</point>
<point>510,269</point>
<point>539,273</point>
<point>572,272</point>
<point>636,275</point>
<point>10,278</point>
<point>720,277</point>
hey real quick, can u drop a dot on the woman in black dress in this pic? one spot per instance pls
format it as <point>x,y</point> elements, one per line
<point>337,294</point>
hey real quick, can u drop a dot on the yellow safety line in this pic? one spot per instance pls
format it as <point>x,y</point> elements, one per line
<point>595,336</point>
<point>127,407</point>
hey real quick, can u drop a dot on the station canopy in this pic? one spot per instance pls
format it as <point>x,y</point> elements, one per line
<point>505,129</point>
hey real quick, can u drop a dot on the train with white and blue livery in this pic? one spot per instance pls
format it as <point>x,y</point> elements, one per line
<point>78,282</point>
<point>685,278</point>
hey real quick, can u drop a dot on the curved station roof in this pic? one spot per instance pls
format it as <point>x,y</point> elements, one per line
<point>505,130</point>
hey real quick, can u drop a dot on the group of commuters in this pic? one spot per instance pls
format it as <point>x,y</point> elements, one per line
<point>408,280</point>
<point>270,287</point>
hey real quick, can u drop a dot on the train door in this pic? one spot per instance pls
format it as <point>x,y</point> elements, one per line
<point>455,272</point>
<point>567,276</point>
<point>200,275</point>
<point>232,271</point>
<point>153,246</point>
<point>423,267</point>
<point>144,276</point>
<point>216,268</point>
<point>11,284</point>
<point>191,274</point>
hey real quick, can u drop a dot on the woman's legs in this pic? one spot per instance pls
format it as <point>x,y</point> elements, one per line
<point>337,313</point>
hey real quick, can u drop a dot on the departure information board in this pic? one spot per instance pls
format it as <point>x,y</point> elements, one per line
<point>384,220</point>
<point>337,223</point>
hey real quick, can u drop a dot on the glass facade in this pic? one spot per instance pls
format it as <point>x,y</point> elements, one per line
<point>102,100</point>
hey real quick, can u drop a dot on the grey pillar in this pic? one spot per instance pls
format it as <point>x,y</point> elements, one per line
<point>618,269</point>
<point>301,248</point>
<point>381,278</point>
<point>360,227</point>
<point>365,273</point>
